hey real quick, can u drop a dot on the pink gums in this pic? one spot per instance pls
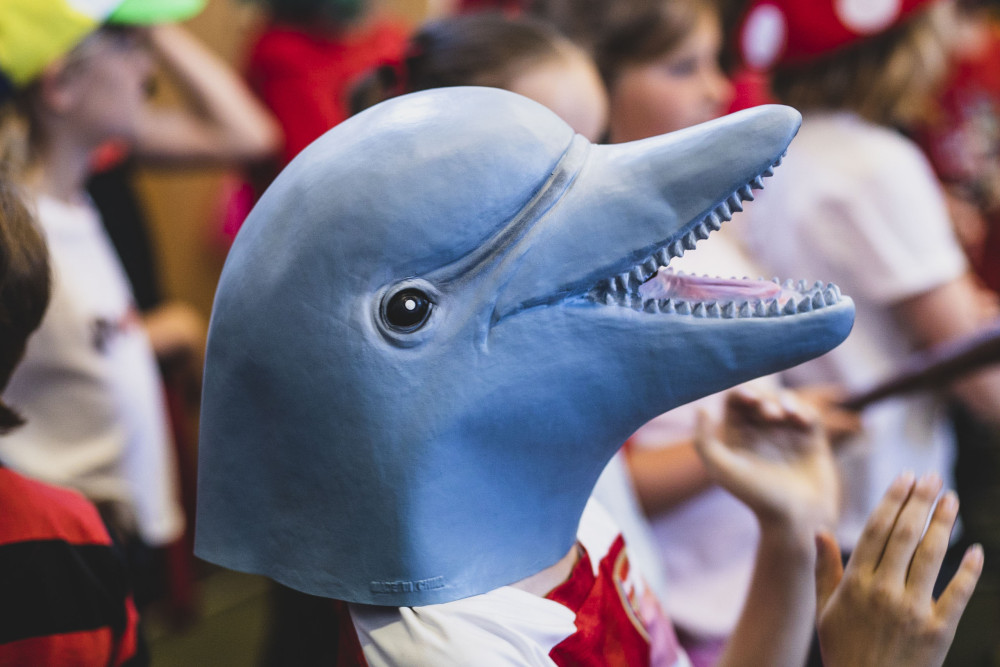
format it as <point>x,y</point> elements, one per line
<point>669,285</point>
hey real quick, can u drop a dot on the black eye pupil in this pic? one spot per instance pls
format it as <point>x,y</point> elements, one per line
<point>407,310</point>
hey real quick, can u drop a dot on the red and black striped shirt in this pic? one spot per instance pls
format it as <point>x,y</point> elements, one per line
<point>65,597</point>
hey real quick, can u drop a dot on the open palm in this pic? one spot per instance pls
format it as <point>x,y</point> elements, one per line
<point>771,452</point>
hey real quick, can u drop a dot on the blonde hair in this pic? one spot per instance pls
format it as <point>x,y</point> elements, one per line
<point>889,79</point>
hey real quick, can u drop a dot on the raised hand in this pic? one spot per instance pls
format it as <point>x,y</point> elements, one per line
<point>770,451</point>
<point>880,611</point>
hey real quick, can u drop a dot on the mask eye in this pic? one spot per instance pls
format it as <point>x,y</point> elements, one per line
<point>407,310</point>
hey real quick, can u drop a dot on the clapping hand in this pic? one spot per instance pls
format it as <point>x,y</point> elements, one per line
<point>880,611</point>
<point>771,452</point>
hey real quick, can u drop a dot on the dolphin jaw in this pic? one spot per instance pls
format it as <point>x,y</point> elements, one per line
<point>785,298</point>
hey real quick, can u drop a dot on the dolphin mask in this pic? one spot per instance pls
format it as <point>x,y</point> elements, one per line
<point>430,337</point>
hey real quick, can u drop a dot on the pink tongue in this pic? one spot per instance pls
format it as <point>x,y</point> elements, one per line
<point>666,285</point>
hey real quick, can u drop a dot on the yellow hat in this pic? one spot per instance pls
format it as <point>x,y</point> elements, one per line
<point>34,33</point>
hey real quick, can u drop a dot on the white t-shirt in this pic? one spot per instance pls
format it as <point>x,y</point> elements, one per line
<point>88,385</point>
<point>603,616</point>
<point>857,204</point>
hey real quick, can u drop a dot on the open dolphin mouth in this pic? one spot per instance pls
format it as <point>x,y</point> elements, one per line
<point>652,286</point>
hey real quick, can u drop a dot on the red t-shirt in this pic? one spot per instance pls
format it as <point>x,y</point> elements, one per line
<point>305,78</point>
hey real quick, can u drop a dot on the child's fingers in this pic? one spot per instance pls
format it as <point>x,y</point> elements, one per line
<point>721,461</point>
<point>952,602</point>
<point>871,544</point>
<point>910,523</point>
<point>829,568</point>
<point>798,412</point>
<point>931,550</point>
<point>753,405</point>
<point>743,395</point>
<point>706,443</point>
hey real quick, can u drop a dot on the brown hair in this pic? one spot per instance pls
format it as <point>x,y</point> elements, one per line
<point>24,287</point>
<point>888,79</point>
<point>620,33</point>
<point>483,49</point>
<point>21,136</point>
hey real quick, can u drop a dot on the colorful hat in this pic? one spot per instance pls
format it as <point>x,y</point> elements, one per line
<point>34,33</point>
<point>776,32</point>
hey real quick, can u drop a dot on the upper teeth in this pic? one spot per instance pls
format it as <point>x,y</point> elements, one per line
<point>622,289</point>
<point>695,232</point>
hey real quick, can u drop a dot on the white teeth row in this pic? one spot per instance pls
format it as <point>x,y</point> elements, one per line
<point>815,299</point>
<point>622,284</point>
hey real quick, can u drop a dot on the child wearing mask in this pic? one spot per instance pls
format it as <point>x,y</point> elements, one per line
<point>460,52</point>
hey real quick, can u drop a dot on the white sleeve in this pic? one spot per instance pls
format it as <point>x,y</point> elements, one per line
<point>895,237</point>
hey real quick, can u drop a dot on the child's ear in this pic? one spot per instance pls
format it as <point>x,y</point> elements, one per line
<point>58,88</point>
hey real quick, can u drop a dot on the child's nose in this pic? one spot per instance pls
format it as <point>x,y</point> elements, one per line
<point>718,87</point>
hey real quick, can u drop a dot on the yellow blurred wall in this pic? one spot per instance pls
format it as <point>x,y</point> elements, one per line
<point>184,206</point>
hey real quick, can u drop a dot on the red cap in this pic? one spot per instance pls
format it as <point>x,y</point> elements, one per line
<point>775,32</point>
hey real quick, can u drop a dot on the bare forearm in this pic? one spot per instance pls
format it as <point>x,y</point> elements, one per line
<point>774,456</point>
<point>776,626</point>
<point>224,122</point>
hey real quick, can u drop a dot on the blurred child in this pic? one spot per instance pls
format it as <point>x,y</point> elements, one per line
<point>860,205</point>
<point>216,122</point>
<point>65,590</point>
<point>302,65</point>
<point>88,384</point>
<point>219,123</point>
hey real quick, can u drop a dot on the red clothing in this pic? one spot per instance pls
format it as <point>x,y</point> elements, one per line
<point>305,78</point>
<point>65,595</point>
<point>750,89</point>
<point>617,623</point>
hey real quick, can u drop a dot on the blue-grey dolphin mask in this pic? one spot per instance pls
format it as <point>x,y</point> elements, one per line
<point>429,339</point>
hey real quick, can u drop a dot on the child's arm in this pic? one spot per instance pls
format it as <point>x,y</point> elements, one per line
<point>881,610</point>
<point>773,455</point>
<point>671,472</point>
<point>664,477</point>
<point>222,122</point>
